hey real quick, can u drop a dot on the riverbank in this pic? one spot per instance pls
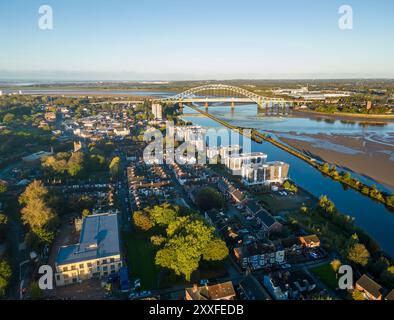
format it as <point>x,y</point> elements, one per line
<point>345,116</point>
<point>357,153</point>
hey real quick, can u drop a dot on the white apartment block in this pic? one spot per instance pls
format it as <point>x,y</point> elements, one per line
<point>235,162</point>
<point>157,110</point>
<point>265,173</point>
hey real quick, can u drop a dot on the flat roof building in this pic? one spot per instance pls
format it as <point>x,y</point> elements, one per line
<point>235,162</point>
<point>96,255</point>
<point>264,173</point>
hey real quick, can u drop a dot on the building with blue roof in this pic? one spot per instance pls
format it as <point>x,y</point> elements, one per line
<point>96,255</point>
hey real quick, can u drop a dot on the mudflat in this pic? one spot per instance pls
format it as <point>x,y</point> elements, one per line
<point>369,154</point>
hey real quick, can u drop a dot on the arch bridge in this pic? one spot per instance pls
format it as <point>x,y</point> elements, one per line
<point>238,95</point>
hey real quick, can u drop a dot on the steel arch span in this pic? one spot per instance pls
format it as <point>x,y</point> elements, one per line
<point>261,101</point>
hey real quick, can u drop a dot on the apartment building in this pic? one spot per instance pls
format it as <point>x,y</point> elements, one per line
<point>97,254</point>
<point>157,111</point>
<point>235,162</point>
<point>264,173</point>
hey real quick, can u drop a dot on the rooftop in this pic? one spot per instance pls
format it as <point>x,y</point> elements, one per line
<point>99,239</point>
<point>214,292</point>
<point>370,286</point>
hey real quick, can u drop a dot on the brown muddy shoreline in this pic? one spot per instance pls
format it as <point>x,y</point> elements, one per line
<point>354,152</point>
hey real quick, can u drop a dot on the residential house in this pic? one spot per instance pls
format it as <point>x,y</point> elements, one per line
<point>221,291</point>
<point>311,241</point>
<point>230,191</point>
<point>286,285</point>
<point>251,289</point>
<point>371,289</point>
<point>390,296</point>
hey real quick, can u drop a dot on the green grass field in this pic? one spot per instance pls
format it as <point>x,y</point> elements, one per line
<point>141,259</point>
<point>327,275</point>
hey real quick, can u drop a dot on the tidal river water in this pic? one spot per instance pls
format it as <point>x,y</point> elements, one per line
<point>371,216</point>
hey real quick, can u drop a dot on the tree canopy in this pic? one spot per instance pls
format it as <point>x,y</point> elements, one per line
<point>183,240</point>
<point>5,276</point>
<point>209,198</point>
<point>358,254</point>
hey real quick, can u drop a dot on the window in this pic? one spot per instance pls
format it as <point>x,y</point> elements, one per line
<point>65,269</point>
<point>73,267</point>
<point>89,265</point>
<point>112,260</point>
<point>105,268</point>
<point>105,261</point>
<point>112,267</point>
<point>81,266</point>
<point>58,278</point>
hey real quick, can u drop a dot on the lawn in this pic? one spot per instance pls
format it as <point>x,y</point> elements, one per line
<point>141,258</point>
<point>327,275</point>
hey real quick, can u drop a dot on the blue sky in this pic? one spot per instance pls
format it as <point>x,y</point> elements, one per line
<point>185,39</point>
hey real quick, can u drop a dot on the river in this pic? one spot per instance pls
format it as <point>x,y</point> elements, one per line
<point>371,216</point>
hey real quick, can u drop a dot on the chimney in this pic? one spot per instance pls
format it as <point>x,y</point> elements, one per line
<point>195,288</point>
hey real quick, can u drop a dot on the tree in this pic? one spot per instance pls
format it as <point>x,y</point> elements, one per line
<point>75,164</point>
<point>335,265</point>
<point>158,240</point>
<point>326,204</point>
<point>5,276</point>
<point>85,213</point>
<point>35,190</point>
<point>3,219</point>
<point>3,187</point>
<point>142,221</point>
<point>387,277</point>
<point>162,215</point>
<point>37,214</point>
<point>290,186</point>
<point>326,168</point>
<point>114,167</point>
<point>8,118</point>
<point>216,251</point>
<point>358,254</point>
<point>208,198</point>
<point>346,176</point>
<point>37,238</point>
<point>180,256</point>
<point>358,295</point>
<point>390,201</point>
<point>35,291</point>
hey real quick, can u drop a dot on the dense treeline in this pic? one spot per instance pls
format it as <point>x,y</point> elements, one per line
<point>348,180</point>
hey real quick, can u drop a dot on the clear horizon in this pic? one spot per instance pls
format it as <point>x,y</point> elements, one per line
<point>177,40</point>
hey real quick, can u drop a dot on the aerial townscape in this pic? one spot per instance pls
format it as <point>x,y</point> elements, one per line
<point>193,184</point>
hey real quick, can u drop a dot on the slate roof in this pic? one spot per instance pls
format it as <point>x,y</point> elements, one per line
<point>254,207</point>
<point>370,286</point>
<point>214,292</point>
<point>253,290</point>
<point>390,296</point>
